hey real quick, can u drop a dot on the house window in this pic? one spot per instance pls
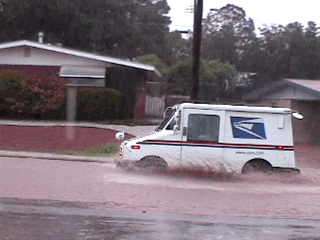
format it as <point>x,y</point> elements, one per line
<point>27,52</point>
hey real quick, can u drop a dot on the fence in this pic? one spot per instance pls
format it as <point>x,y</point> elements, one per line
<point>155,106</point>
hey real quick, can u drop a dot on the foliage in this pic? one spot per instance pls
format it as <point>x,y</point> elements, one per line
<point>216,79</point>
<point>291,51</point>
<point>226,33</point>
<point>29,94</point>
<point>177,48</point>
<point>154,60</point>
<point>98,104</point>
<point>150,24</point>
<point>179,78</point>
<point>125,28</point>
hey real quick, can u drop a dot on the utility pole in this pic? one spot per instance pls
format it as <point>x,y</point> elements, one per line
<point>197,32</point>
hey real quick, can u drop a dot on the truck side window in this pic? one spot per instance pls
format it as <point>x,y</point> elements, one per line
<point>173,122</point>
<point>203,128</point>
<point>170,125</point>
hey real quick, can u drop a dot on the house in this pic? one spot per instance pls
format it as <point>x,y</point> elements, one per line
<point>300,95</point>
<point>84,68</point>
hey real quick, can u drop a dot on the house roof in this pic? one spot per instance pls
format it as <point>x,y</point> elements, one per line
<point>106,59</point>
<point>311,87</point>
<point>309,84</point>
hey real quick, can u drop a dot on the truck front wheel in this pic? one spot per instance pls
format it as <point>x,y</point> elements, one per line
<point>152,163</point>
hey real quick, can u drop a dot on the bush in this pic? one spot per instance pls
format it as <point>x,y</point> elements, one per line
<point>179,78</point>
<point>98,104</point>
<point>216,79</point>
<point>28,95</point>
<point>10,88</point>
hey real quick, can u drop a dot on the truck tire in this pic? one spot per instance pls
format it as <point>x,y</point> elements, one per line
<point>153,163</point>
<point>257,166</point>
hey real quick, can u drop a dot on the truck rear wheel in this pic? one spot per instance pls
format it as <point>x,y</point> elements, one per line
<point>257,165</point>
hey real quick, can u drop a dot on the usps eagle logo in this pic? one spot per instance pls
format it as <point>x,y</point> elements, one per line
<point>248,128</point>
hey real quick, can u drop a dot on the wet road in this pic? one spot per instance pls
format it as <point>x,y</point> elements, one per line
<point>39,219</point>
<point>78,200</point>
<point>104,187</point>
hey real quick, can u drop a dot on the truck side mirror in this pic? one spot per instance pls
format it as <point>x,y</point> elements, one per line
<point>297,115</point>
<point>120,136</point>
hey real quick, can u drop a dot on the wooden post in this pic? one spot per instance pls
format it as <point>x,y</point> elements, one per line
<point>197,31</point>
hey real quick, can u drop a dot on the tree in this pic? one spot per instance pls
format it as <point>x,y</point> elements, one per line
<point>274,51</point>
<point>24,19</point>
<point>154,60</point>
<point>125,28</point>
<point>291,51</point>
<point>226,34</point>
<point>149,25</point>
<point>177,48</point>
<point>179,78</point>
<point>216,79</point>
<point>304,45</point>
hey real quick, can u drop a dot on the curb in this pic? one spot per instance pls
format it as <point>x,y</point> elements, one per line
<point>53,156</point>
<point>42,124</point>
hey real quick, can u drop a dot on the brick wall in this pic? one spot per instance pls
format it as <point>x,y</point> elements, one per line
<point>40,71</point>
<point>307,131</point>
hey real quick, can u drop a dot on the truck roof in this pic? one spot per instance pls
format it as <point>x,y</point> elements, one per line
<point>236,108</point>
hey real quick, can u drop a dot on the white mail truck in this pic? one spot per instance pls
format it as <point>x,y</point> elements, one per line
<point>237,139</point>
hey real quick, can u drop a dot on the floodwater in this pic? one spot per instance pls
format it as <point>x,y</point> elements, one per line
<point>34,219</point>
<point>103,186</point>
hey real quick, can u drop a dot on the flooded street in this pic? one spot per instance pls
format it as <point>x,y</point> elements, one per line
<point>103,186</point>
<point>39,219</point>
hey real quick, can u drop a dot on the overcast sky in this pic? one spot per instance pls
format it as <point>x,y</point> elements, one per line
<point>262,12</point>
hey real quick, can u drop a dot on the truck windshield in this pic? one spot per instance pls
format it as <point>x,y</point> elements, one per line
<point>167,118</point>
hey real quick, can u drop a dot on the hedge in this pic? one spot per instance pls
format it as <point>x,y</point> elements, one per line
<point>98,104</point>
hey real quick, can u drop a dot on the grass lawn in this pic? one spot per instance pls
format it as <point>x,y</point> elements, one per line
<point>103,151</point>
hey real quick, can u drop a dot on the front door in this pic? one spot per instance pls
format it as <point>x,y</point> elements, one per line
<point>201,137</point>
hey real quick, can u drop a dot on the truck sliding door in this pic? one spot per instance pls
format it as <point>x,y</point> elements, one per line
<point>202,133</point>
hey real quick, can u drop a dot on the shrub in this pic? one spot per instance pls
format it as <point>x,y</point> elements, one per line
<point>98,104</point>
<point>216,79</point>
<point>10,88</point>
<point>29,94</point>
